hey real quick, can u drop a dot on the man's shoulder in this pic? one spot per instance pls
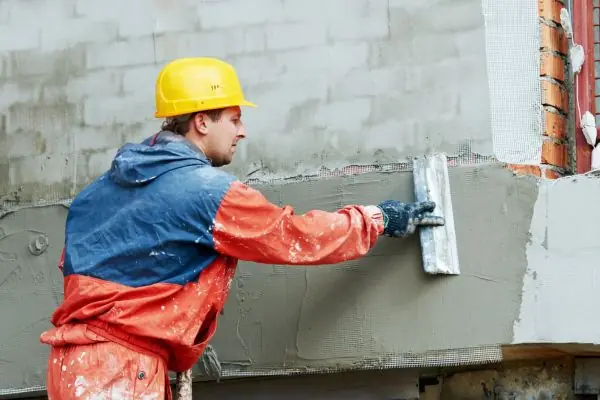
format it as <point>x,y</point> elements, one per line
<point>207,179</point>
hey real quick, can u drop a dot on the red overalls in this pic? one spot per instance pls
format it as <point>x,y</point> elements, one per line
<point>114,341</point>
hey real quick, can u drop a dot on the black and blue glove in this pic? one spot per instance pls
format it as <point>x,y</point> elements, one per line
<point>402,219</point>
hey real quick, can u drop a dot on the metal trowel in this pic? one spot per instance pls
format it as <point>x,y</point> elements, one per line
<point>438,243</point>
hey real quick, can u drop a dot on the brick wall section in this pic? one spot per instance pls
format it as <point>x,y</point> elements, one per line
<point>555,97</point>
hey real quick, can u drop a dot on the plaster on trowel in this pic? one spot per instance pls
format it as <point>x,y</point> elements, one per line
<point>438,243</point>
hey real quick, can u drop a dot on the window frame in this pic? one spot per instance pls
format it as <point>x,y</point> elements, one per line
<point>584,84</point>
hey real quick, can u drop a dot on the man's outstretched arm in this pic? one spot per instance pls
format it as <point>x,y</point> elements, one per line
<point>247,226</point>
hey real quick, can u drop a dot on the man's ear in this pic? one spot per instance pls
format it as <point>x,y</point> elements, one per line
<point>200,123</point>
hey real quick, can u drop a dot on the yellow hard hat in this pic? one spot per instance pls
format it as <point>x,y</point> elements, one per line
<point>188,85</point>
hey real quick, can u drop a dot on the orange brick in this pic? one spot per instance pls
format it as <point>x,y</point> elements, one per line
<point>555,95</point>
<point>553,39</point>
<point>554,154</point>
<point>555,125</point>
<point>551,174</point>
<point>552,65</point>
<point>550,10</point>
<point>525,169</point>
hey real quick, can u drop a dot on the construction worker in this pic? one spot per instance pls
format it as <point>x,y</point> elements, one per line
<point>151,246</point>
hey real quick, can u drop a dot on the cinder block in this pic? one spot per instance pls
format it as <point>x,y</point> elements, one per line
<point>38,142</point>
<point>366,82</point>
<point>105,10</point>
<point>289,36</point>
<point>332,10</point>
<point>255,39</point>
<point>140,81</point>
<point>4,11</point>
<point>448,17</point>
<point>432,47</point>
<point>424,105</point>
<point>363,28</point>
<point>24,12</point>
<point>58,64</point>
<point>118,110</point>
<point>377,135</point>
<point>135,51</point>
<point>335,60</point>
<point>96,138</point>
<point>76,31</point>
<point>54,117</point>
<point>47,169</point>
<point>99,162</point>
<point>470,43</point>
<point>100,83</point>
<point>218,44</point>
<point>14,93</point>
<point>345,114</point>
<point>19,37</point>
<point>140,131</point>
<point>4,66</point>
<point>257,68</point>
<point>411,5</point>
<point>297,91</point>
<point>233,13</point>
<point>144,20</point>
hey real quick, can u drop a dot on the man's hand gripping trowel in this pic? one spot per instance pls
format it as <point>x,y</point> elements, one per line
<point>438,243</point>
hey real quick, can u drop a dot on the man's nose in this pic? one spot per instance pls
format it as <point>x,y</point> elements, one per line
<point>242,132</point>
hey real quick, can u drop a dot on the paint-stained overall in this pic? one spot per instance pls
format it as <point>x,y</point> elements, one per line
<point>150,250</point>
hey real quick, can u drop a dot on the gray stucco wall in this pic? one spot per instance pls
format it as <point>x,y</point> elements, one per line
<point>367,82</point>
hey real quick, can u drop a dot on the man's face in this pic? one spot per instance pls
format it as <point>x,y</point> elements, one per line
<point>220,137</point>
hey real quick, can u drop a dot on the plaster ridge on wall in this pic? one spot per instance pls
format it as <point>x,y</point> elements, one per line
<point>476,355</point>
<point>461,158</point>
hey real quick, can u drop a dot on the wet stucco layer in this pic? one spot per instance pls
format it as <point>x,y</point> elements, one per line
<point>293,317</point>
<point>30,289</point>
<point>384,303</point>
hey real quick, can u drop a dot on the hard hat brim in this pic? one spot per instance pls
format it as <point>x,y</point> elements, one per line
<point>241,103</point>
<point>247,103</point>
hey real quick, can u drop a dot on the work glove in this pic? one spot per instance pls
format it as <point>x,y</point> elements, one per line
<point>402,219</point>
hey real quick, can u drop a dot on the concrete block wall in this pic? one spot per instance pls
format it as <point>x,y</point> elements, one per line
<point>360,82</point>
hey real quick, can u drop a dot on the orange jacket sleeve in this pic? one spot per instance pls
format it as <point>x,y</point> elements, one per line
<point>248,227</point>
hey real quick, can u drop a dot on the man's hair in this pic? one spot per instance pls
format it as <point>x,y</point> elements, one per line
<point>180,124</point>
